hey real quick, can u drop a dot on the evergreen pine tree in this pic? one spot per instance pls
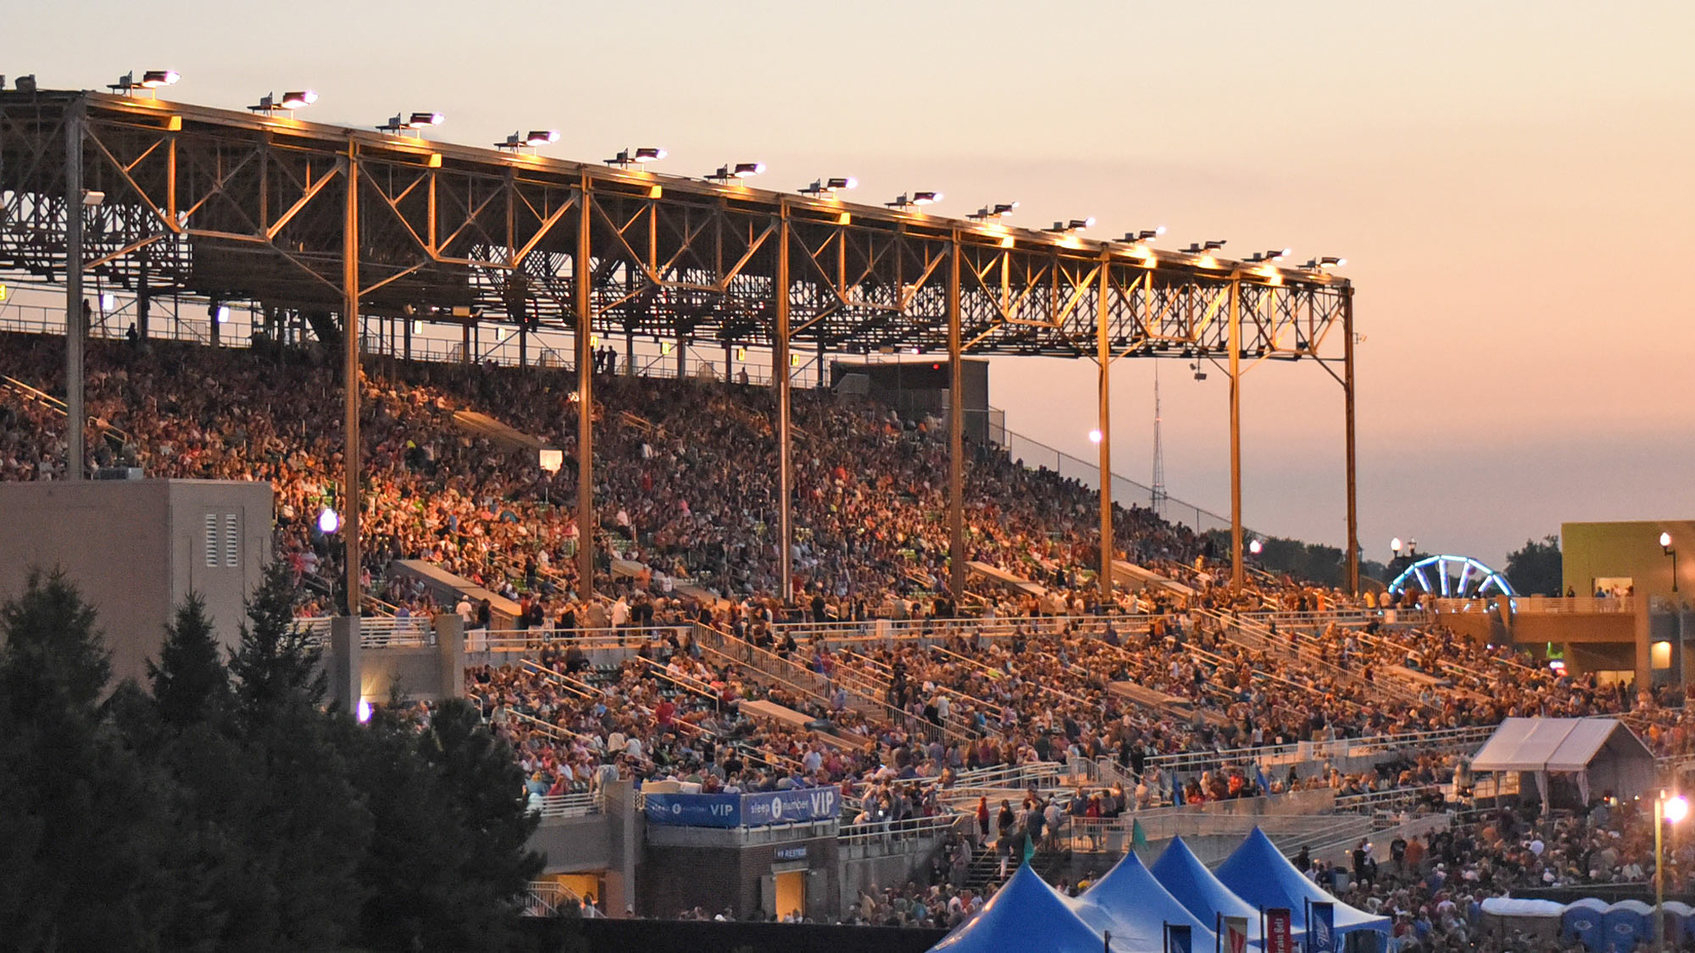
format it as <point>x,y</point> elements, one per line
<point>83,823</point>
<point>276,663</point>
<point>190,682</point>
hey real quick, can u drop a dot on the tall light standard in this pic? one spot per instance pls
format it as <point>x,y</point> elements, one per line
<point>1666,809</point>
<point>1665,544</point>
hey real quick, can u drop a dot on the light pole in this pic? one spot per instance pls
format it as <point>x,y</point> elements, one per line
<point>1666,809</point>
<point>1665,544</point>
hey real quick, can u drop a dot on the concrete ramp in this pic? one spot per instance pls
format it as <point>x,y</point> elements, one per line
<point>1138,577</point>
<point>788,716</point>
<point>1001,577</point>
<point>1172,704</point>
<point>686,588</point>
<point>447,588</point>
<point>482,425</point>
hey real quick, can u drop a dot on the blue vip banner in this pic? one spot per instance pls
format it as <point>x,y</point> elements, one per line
<point>1321,927</point>
<point>743,810</point>
<point>788,807</point>
<point>695,810</point>
<point>1180,938</point>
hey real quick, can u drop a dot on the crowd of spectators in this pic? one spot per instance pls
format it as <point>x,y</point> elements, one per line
<point>686,489</point>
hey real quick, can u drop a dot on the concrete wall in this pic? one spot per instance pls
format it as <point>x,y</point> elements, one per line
<point>1593,551</point>
<point>136,548</point>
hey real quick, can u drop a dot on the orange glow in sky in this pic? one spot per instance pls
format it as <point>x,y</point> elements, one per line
<point>1510,181</point>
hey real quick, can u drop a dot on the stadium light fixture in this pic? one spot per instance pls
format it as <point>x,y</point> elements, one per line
<point>1072,226</point>
<point>1670,550</point>
<point>402,122</point>
<point>517,141</point>
<point>1145,235</point>
<point>297,99</point>
<point>151,80</point>
<point>1314,264</point>
<point>1275,254</point>
<point>639,156</point>
<point>736,170</point>
<point>915,199</point>
<point>1672,808</point>
<point>830,186</point>
<point>990,212</point>
<point>92,198</point>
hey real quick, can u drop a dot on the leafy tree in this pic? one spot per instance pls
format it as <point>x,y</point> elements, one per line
<point>190,682</point>
<point>1538,568</point>
<point>83,823</point>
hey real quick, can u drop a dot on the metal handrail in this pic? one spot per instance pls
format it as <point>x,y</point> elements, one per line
<point>568,805</point>
<point>905,829</point>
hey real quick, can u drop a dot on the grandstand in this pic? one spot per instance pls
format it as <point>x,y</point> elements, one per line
<point>747,670</point>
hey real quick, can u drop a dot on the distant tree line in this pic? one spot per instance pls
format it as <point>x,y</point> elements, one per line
<point>223,806</point>
<point>1307,562</point>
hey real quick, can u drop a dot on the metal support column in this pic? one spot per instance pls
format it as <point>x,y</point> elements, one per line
<point>76,328</point>
<point>1353,557</point>
<point>350,503</point>
<point>1236,434</point>
<point>780,380</point>
<point>956,435</point>
<point>1103,356</point>
<point>582,278</point>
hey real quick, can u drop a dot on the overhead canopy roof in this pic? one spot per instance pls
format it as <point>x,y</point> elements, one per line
<point>228,205</point>
<point>1555,744</point>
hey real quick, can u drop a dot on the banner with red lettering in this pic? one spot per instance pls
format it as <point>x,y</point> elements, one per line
<point>1279,930</point>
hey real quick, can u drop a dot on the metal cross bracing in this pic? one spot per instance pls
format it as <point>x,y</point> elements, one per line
<point>221,205</point>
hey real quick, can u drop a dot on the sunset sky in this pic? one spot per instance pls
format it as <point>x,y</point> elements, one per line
<point>1513,184</point>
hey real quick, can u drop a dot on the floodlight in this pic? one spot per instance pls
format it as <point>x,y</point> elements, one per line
<point>426,119</point>
<point>1255,546</point>
<point>1094,436</point>
<point>1275,254</point>
<point>1073,226</point>
<point>736,170</point>
<point>1326,262</point>
<point>542,137</point>
<point>299,99</point>
<point>1145,235</point>
<point>328,521</point>
<point>1000,210</point>
<point>1676,808</point>
<point>628,157</point>
<point>155,78</point>
<point>830,186</point>
<point>92,197</point>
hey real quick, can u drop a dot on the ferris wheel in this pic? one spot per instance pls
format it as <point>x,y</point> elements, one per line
<point>1453,577</point>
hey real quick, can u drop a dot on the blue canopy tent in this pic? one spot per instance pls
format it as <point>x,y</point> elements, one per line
<point>1025,916</point>
<point>1259,873</point>
<point>1129,902</point>
<point>1183,875</point>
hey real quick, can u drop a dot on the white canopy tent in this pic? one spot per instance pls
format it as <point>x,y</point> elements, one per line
<point>1600,754</point>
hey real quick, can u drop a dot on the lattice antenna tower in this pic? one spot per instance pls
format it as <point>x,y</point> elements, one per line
<point>1158,500</point>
